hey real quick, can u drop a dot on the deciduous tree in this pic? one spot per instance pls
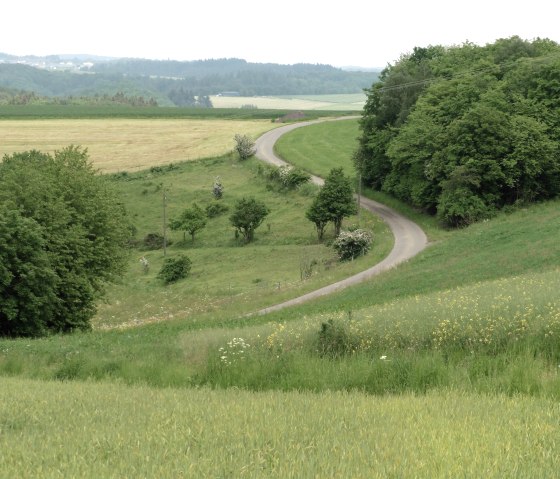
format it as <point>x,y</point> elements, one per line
<point>64,234</point>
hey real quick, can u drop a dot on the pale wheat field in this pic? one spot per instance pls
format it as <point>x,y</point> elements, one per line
<point>130,144</point>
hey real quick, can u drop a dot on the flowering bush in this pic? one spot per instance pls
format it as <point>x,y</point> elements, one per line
<point>351,244</point>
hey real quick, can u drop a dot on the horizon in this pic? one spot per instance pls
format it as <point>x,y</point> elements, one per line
<point>92,56</point>
<point>366,35</point>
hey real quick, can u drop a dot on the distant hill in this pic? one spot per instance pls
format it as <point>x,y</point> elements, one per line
<point>173,82</point>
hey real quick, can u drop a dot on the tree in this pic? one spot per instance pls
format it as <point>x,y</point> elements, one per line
<point>63,234</point>
<point>244,146</point>
<point>336,197</point>
<point>319,215</point>
<point>191,220</point>
<point>248,215</point>
<point>27,281</point>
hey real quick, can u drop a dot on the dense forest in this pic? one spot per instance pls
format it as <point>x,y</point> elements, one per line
<point>464,131</point>
<point>183,83</point>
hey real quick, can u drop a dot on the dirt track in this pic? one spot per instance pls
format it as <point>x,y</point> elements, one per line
<point>409,237</point>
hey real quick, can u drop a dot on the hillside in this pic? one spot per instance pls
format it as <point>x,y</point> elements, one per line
<point>444,366</point>
<point>176,83</point>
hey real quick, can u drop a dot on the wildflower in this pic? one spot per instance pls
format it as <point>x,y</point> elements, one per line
<point>383,358</point>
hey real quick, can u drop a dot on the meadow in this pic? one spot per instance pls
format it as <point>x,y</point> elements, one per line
<point>319,148</point>
<point>446,366</point>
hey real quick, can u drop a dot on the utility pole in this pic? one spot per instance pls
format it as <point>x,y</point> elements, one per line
<point>359,196</point>
<point>164,224</point>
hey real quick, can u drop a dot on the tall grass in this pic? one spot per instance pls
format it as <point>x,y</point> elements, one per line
<point>107,430</point>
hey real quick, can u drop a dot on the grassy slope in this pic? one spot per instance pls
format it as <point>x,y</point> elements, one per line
<point>319,148</point>
<point>227,278</point>
<point>498,437</point>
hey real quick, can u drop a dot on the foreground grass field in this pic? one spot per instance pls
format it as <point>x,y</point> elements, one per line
<point>130,144</point>
<point>108,430</point>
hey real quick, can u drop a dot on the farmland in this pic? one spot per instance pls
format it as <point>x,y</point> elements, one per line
<point>348,102</point>
<point>130,144</point>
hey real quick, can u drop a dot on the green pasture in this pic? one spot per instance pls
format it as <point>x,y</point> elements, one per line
<point>227,278</point>
<point>123,111</point>
<point>321,147</point>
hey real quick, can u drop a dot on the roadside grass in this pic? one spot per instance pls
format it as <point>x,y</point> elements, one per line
<point>108,430</point>
<point>130,144</point>
<point>321,147</point>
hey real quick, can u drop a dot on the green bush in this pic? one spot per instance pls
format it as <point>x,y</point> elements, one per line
<point>154,241</point>
<point>216,209</point>
<point>334,340</point>
<point>174,269</point>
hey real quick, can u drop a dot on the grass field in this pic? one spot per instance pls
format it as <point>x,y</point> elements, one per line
<point>321,147</point>
<point>343,102</point>
<point>107,430</point>
<point>226,278</point>
<point>130,144</point>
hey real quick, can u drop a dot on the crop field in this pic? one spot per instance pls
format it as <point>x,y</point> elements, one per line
<point>130,144</point>
<point>107,430</point>
<point>343,102</point>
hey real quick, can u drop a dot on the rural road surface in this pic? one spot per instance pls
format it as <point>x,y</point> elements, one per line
<point>409,237</point>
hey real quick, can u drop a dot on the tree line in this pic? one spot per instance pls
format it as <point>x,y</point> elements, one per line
<point>462,132</point>
<point>165,80</point>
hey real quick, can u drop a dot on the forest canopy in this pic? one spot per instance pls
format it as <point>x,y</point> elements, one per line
<point>464,131</point>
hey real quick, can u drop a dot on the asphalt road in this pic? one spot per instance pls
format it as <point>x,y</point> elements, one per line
<point>410,239</point>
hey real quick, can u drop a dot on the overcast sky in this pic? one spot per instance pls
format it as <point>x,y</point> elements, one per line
<point>349,32</point>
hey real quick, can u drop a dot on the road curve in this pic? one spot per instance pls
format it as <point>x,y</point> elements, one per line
<point>409,237</point>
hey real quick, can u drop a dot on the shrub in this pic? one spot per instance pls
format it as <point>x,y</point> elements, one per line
<point>333,340</point>
<point>352,244</point>
<point>216,209</point>
<point>248,215</point>
<point>218,189</point>
<point>154,241</point>
<point>291,177</point>
<point>174,269</point>
<point>244,146</point>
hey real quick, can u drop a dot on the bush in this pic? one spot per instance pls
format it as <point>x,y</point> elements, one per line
<point>216,209</point>
<point>244,146</point>
<point>291,177</point>
<point>154,241</point>
<point>352,244</point>
<point>333,340</point>
<point>174,269</point>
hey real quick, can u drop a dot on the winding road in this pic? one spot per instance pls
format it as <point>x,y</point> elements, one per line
<point>409,237</point>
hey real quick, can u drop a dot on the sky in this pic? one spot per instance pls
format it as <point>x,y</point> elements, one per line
<point>362,33</point>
